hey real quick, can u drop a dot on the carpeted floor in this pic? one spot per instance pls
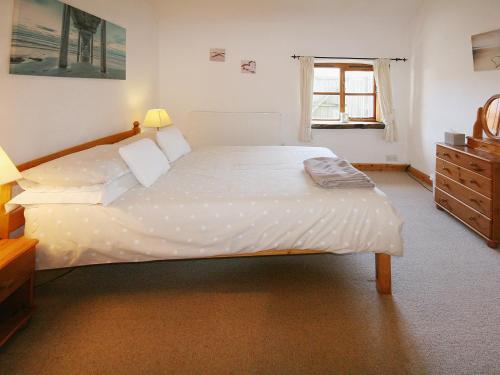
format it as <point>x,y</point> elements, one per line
<point>317,314</point>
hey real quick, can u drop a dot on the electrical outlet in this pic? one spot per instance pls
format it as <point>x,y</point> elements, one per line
<point>391,158</point>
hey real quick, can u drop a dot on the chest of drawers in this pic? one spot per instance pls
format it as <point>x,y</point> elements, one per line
<point>468,187</point>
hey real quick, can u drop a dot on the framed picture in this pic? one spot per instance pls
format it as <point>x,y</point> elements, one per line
<point>218,54</point>
<point>249,66</point>
<point>486,50</point>
<point>50,38</point>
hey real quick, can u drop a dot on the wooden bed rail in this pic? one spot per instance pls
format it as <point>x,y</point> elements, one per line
<point>383,278</point>
<point>84,146</point>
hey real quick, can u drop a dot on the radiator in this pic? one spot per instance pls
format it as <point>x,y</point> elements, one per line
<point>205,128</point>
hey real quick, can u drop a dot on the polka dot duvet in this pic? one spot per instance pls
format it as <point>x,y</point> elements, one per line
<point>219,201</point>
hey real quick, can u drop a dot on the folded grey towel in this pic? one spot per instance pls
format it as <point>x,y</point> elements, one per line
<point>336,172</point>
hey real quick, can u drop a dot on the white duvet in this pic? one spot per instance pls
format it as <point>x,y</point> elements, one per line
<point>219,201</point>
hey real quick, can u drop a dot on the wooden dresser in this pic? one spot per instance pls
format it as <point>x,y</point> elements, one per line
<point>468,187</point>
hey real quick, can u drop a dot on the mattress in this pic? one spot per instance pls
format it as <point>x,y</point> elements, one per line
<point>219,201</point>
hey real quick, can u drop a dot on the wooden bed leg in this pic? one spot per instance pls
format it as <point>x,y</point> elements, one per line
<point>383,273</point>
<point>492,244</point>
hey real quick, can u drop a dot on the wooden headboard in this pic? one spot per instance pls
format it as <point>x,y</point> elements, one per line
<point>14,220</point>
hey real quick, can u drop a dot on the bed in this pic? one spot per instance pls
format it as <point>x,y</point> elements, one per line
<point>223,201</point>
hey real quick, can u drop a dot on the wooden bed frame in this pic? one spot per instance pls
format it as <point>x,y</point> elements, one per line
<point>15,219</point>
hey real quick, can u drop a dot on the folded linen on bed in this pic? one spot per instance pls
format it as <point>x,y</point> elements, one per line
<point>336,172</point>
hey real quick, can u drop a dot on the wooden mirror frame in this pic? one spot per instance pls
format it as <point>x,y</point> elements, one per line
<point>491,143</point>
<point>481,124</point>
<point>485,119</point>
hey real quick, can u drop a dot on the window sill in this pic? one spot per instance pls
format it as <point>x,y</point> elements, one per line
<point>347,125</point>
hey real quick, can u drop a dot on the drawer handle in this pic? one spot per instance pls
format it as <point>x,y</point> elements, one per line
<point>7,284</point>
<point>474,200</point>
<point>475,182</point>
<point>446,185</point>
<point>476,167</point>
<point>473,218</point>
<point>447,169</point>
<point>446,154</point>
<point>445,203</point>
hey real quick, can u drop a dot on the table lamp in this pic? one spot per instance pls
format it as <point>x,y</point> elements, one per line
<point>157,118</point>
<point>8,174</point>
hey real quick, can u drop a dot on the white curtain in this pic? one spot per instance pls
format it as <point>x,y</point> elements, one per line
<point>306,97</point>
<point>381,69</point>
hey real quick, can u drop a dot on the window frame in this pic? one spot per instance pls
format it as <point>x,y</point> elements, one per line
<point>345,67</point>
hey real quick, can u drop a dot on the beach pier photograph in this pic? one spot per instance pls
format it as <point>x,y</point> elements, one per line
<point>51,38</point>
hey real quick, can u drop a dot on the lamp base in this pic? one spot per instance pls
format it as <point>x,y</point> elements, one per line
<point>5,196</point>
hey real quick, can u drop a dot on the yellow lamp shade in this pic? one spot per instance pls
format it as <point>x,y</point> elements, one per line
<point>8,171</point>
<point>157,118</point>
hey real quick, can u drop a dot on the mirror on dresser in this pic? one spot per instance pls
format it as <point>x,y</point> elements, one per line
<point>467,183</point>
<point>486,130</point>
<point>492,117</point>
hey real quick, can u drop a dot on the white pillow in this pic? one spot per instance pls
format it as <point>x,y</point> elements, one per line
<point>97,165</point>
<point>145,160</point>
<point>173,143</point>
<point>95,194</point>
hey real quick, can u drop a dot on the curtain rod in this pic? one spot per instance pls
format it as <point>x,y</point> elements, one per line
<point>352,58</point>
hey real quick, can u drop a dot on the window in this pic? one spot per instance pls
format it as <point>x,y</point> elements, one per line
<point>346,88</point>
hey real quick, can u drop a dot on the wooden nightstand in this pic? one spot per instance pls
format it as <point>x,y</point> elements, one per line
<point>17,267</point>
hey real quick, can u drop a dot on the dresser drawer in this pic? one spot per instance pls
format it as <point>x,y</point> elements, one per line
<point>470,198</point>
<point>474,219</point>
<point>16,273</point>
<point>470,162</point>
<point>470,179</point>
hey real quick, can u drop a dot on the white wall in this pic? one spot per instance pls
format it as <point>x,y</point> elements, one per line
<point>39,115</point>
<point>446,90</point>
<point>269,32</point>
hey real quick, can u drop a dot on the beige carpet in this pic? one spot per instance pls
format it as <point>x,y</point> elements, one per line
<point>317,314</point>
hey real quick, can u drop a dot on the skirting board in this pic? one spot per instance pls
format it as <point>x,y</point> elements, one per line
<point>381,167</point>
<point>395,168</point>
<point>420,175</point>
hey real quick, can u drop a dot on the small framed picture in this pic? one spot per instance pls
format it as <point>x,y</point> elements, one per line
<point>218,54</point>
<point>249,66</point>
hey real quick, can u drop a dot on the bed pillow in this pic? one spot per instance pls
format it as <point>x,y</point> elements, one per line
<point>103,194</point>
<point>173,143</point>
<point>145,160</point>
<point>95,166</point>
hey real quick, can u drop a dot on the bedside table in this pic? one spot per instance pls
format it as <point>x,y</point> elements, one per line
<point>17,267</point>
